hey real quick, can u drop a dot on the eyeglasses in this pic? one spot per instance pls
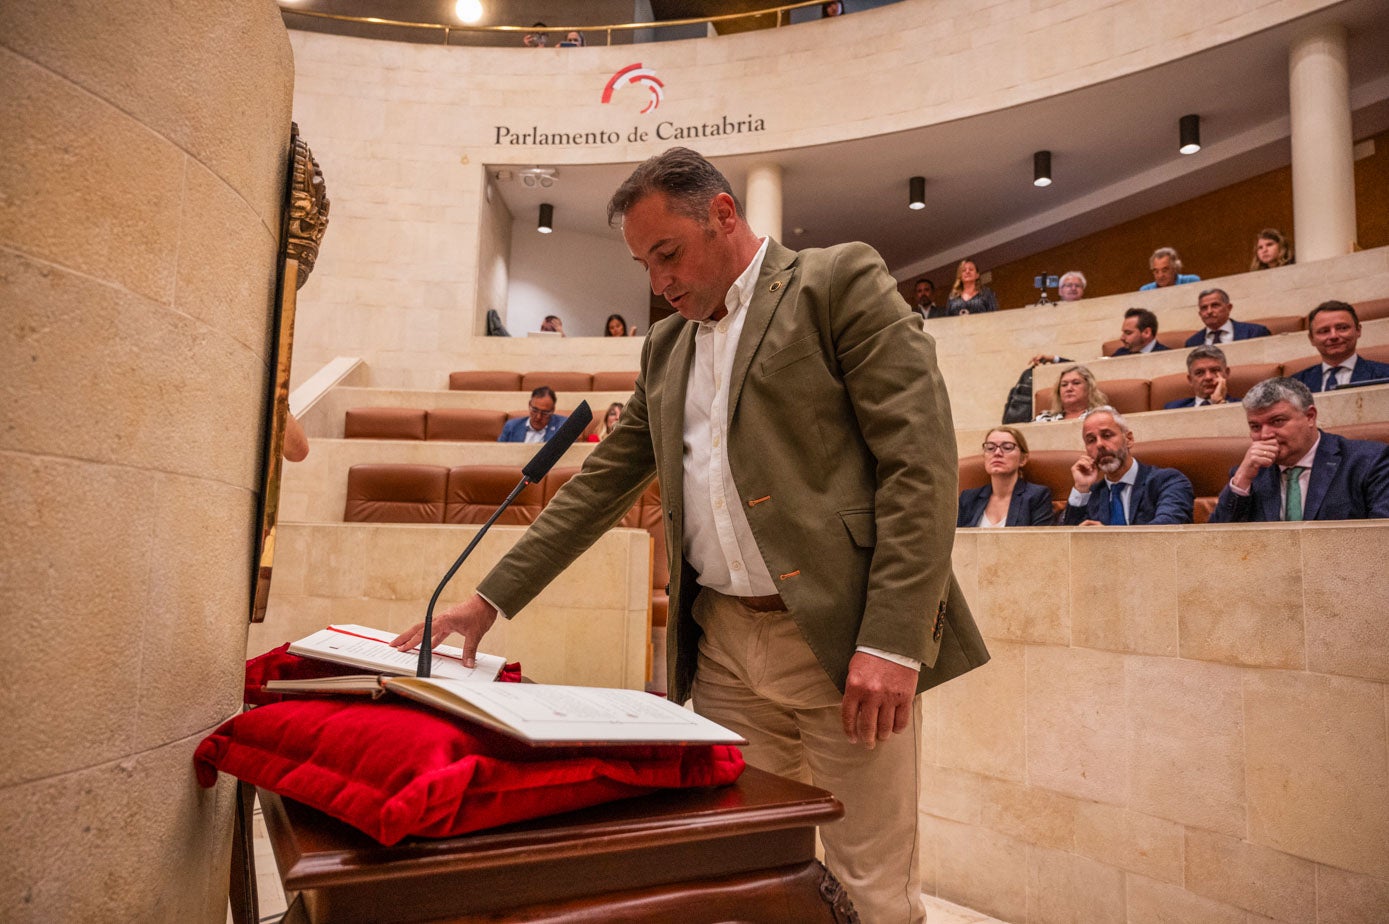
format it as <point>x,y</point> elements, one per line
<point>999,447</point>
<point>539,413</point>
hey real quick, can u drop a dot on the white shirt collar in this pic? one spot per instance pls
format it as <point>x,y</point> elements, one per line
<point>1347,363</point>
<point>740,293</point>
<point>1129,477</point>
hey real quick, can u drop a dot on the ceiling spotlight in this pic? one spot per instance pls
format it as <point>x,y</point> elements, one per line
<point>468,11</point>
<point>1041,168</point>
<point>1189,130</point>
<point>543,177</point>
<point>547,218</point>
<point>916,198</point>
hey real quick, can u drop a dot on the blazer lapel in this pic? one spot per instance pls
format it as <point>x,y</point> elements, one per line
<point>778,266</point>
<point>1099,502</point>
<point>1324,465</point>
<point>1268,494</point>
<point>1138,500</point>
<point>1016,507</point>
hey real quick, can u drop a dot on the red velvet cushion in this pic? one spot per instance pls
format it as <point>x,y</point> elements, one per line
<point>395,769</point>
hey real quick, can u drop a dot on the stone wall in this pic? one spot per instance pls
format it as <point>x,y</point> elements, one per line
<point>141,176</point>
<point>1178,724</point>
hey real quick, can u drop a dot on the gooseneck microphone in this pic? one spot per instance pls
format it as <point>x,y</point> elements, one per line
<point>537,468</point>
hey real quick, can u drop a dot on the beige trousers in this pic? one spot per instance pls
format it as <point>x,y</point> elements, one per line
<point>757,676</point>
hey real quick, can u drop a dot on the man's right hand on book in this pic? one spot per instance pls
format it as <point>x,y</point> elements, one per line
<point>470,619</point>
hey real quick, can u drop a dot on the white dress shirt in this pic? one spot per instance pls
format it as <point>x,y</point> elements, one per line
<point>1227,332</point>
<point>533,435</point>
<point>1346,369</point>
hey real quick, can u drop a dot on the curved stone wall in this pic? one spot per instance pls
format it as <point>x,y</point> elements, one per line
<point>404,131</point>
<point>141,175</point>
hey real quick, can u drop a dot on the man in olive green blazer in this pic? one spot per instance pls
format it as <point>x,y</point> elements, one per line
<point>839,440</point>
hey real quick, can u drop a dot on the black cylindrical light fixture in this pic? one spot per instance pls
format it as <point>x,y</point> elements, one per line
<point>1189,129</point>
<point>547,218</point>
<point>1041,168</point>
<point>917,193</point>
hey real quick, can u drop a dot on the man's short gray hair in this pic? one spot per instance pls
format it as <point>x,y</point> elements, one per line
<point>1169,253</point>
<point>1206,351</point>
<point>1073,274</point>
<point>1224,296</point>
<point>1107,409</point>
<point>1270,391</point>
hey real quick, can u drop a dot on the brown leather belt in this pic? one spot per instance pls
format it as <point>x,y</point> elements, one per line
<point>768,604</point>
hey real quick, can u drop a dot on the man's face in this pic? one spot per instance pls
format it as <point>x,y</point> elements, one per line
<point>1215,311</point>
<point>1204,375</point>
<point>1106,444</point>
<point>1071,289</point>
<point>542,409</point>
<point>1334,334</point>
<point>1133,337</point>
<point>690,263</point>
<point>923,292</point>
<point>1294,430</point>
<point>1164,273</point>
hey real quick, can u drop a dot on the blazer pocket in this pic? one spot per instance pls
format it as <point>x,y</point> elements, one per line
<point>862,527</point>
<point>794,353</point>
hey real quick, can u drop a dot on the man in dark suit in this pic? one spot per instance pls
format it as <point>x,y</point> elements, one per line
<point>1334,329</point>
<point>795,416</point>
<point>1209,376</point>
<point>540,425</point>
<point>1214,306</point>
<point>924,301</point>
<point>1112,488</point>
<point>1139,333</point>
<point>1294,471</point>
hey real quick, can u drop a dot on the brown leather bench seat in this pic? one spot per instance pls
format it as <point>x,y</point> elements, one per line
<point>395,493</point>
<point>499,380</point>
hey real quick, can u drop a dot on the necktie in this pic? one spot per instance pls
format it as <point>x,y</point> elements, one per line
<point>1116,505</point>
<point>1330,381</point>
<point>1292,510</point>
<point>1216,335</point>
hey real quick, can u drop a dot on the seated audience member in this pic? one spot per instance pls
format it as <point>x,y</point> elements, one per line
<point>616,326</point>
<point>1334,329</point>
<point>1139,333</point>
<point>609,421</point>
<point>1209,375</point>
<point>553,324</point>
<point>1214,306</point>
<point>1009,499</point>
<point>1074,393</point>
<point>1071,288</point>
<point>1271,249</point>
<point>967,296</point>
<point>536,39</point>
<point>542,423</point>
<point>1294,471</point>
<point>1112,488</point>
<point>1166,266</point>
<point>573,39</point>
<point>924,300</point>
<point>833,8</point>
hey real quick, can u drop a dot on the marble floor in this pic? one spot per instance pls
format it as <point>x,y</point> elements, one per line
<point>272,897</point>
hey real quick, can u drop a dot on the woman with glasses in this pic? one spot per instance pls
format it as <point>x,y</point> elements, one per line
<point>1008,499</point>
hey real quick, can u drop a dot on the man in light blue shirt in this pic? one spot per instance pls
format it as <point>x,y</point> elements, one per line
<point>1166,265</point>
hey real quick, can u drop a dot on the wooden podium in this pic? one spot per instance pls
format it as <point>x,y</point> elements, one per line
<point>744,852</point>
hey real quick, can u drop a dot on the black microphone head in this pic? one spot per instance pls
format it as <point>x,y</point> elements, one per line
<point>549,454</point>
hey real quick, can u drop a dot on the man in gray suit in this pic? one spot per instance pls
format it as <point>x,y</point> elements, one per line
<point>795,416</point>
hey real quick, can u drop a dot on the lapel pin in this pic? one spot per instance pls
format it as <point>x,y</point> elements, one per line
<point>776,285</point>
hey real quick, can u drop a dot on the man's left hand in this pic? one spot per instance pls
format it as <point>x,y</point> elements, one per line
<point>877,699</point>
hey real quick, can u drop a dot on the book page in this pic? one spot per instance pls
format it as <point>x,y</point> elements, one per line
<point>544,714</point>
<point>362,646</point>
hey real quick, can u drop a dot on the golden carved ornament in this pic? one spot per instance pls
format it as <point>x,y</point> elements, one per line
<point>308,208</point>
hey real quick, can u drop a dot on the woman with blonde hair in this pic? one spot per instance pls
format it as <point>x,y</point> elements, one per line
<point>1008,499</point>
<point>1271,249</point>
<point>966,295</point>
<point>1074,393</point>
<point>609,422</point>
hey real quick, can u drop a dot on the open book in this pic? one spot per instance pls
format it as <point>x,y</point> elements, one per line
<point>370,649</point>
<point>541,714</point>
